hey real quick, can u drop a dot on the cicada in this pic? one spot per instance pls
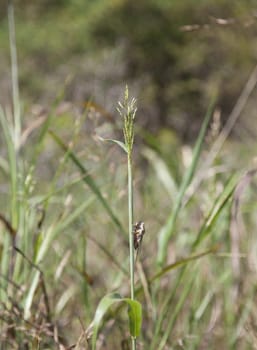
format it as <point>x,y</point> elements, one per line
<point>138,233</point>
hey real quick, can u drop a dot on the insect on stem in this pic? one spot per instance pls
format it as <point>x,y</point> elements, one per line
<point>138,233</point>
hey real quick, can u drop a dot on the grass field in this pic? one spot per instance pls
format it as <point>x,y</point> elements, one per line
<point>69,199</point>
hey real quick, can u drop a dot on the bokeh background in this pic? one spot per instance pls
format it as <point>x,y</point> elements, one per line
<point>74,59</point>
<point>174,55</point>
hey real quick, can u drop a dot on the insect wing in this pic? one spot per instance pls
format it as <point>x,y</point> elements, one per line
<point>139,231</point>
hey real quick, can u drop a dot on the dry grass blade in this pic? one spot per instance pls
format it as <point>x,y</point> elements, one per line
<point>232,119</point>
<point>8,226</point>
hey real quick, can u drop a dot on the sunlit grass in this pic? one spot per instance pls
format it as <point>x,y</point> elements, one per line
<point>64,246</point>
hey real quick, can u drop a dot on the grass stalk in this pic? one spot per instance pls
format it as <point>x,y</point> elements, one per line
<point>130,217</point>
<point>131,246</point>
<point>14,68</point>
<point>127,110</point>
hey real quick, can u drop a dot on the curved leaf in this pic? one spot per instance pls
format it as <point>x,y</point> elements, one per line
<point>135,316</point>
<point>119,143</point>
<point>134,313</point>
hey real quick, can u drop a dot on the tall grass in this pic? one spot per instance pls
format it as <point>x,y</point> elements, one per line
<point>26,241</point>
<point>128,111</point>
<point>64,246</point>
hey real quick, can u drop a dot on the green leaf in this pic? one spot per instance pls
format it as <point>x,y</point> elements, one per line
<point>12,161</point>
<point>218,205</point>
<point>54,230</point>
<point>168,230</point>
<point>87,178</point>
<point>134,313</point>
<point>135,316</point>
<point>183,262</point>
<point>177,264</point>
<point>42,247</point>
<point>208,225</point>
<point>119,143</point>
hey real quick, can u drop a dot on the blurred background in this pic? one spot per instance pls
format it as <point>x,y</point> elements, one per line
<point>64,191</point>
<point>173,54</point>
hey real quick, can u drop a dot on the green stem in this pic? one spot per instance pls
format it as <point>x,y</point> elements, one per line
<point>130,212</point>
<point>14,67</point>
<point>131,245</point>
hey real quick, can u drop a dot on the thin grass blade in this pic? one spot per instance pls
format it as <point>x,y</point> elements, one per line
<point>168,230</point>
<point>43,248</point>
<point>183,262</point>
<point>87,178</point>
<point>205,230</point>
<point>219,204</point>
<point>117,142</point>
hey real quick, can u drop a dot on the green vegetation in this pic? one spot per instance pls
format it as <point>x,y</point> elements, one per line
<point>68,275</point>
<point>175,54</point>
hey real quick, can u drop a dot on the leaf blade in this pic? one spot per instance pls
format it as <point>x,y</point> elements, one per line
<point>117,142</point>
<point>88,179</point>
<point>134,313</point>
<point>168,229</point>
